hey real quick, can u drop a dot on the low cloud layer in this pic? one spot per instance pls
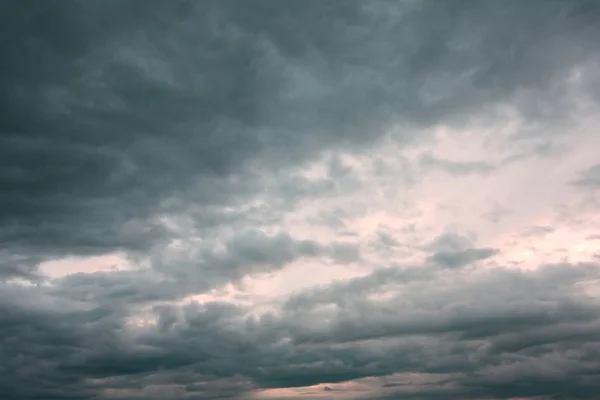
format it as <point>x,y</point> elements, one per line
<point>278,200</point>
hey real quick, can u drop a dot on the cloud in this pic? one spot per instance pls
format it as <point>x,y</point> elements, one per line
<point>199,269</point>
<point>538,231</point>
<point>461,258</point>
<point>590,177</point>
<point>113,115</point>
<point>458,168</point>
<point>266,175</point>
<point>447,334</point>
<point>488,328</point>
<point>452,251</point>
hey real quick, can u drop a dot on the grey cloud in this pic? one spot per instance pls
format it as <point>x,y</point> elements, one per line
<point>249,252</point>
<point>508,327</point>
<point>457,168</point>
<point>178,273</point>
<point>497,212</point>
<point>453,251</point>
<point>118,288</point>
<point>53,352</point>
<point>37,339</point>
<point>531,320</point>
<point>386,239</point>
<point>19,266</point>
<point>114,117</point>
<point>347,234</point>
<point>345,252</point>
<point>454,259</point>
<point>335,218</point>
<point>449,242</point>
<point>537,231</point>
<point>464,310</point>
<point>590,177</point>
<point>346,291</point>
<point>111,113</point>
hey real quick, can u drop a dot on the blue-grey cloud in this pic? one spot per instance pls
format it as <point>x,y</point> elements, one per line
<point>119,119</point>
<point>111,112</point>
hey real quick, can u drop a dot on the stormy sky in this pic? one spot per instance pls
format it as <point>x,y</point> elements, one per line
<point>266,199</point>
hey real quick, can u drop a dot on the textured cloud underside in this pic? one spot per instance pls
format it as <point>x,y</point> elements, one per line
<point>299,200</point>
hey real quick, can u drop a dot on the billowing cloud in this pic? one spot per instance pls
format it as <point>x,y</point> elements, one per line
<point>286,200</point>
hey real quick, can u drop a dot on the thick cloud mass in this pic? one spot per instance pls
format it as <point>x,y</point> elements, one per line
<point>294,189</point>
<point>109,110</point>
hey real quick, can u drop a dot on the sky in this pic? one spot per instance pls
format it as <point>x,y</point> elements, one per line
<point>374,199</point>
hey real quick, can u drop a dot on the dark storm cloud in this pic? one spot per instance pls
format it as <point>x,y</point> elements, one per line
<point>390,318</point>
<point>63,350</point>
<point>115,115</point>
<point>499,327</point>
<point>502,333</point>
<point>39,333</point>
<point>113,112</point>
<point>18,265</point>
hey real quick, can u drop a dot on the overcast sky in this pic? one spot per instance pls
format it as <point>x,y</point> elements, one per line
<point>310,199</point>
